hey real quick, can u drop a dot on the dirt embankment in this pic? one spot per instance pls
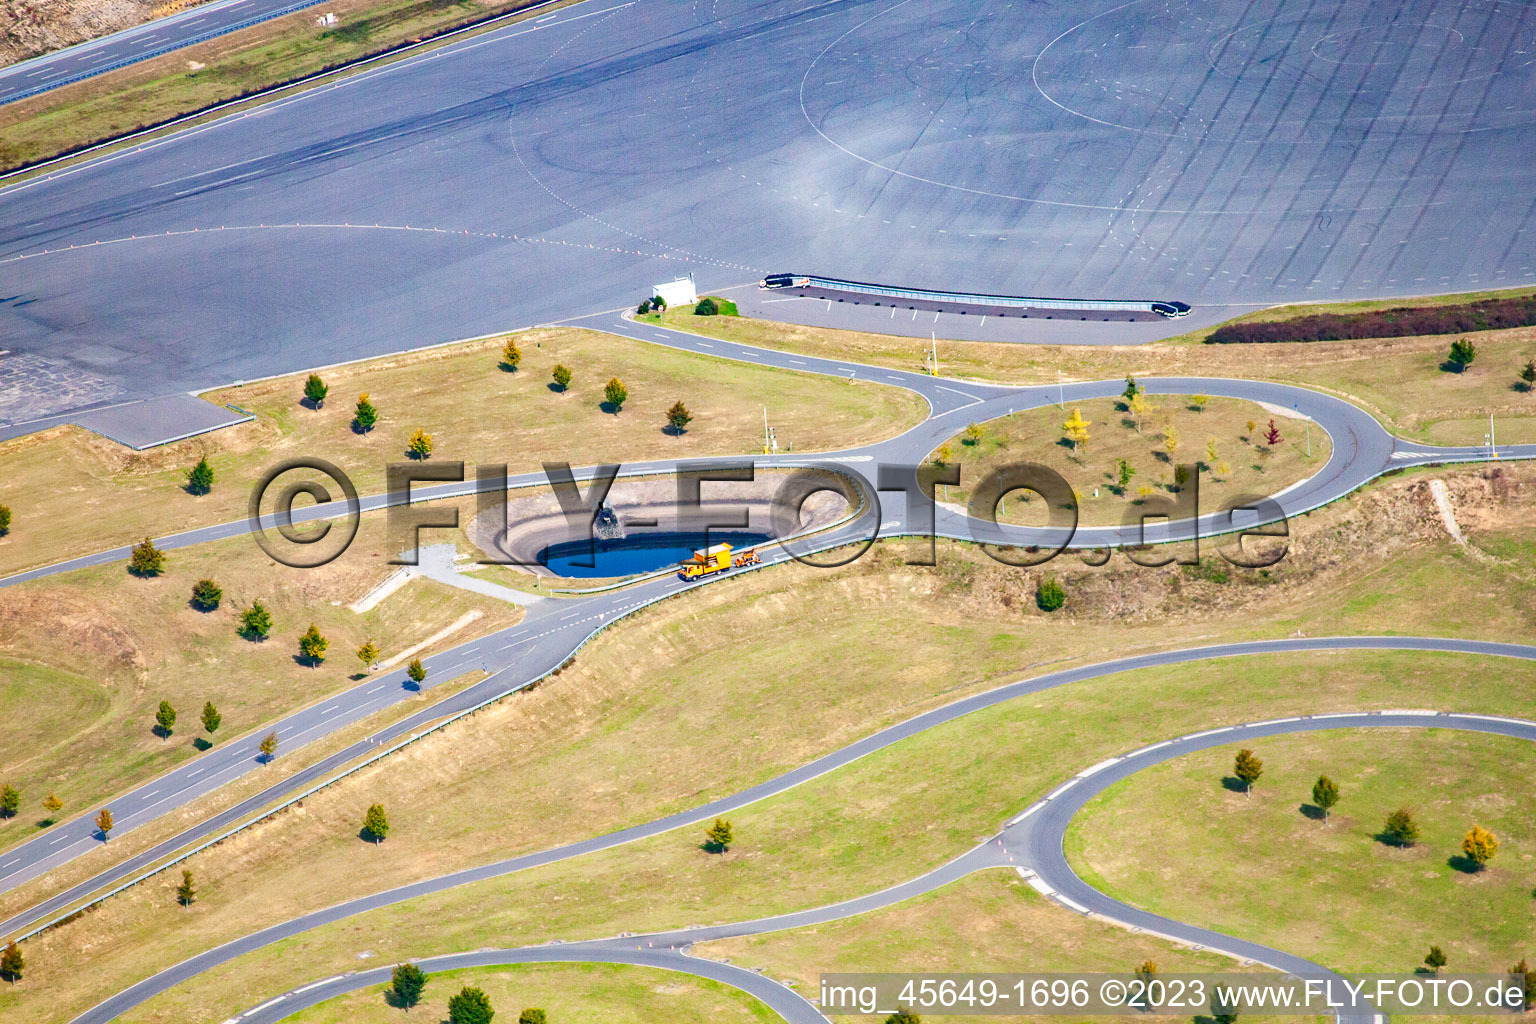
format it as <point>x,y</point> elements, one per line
<point>31,27</point>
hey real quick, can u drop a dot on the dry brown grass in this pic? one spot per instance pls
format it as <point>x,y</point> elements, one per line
<point>73,492</point>
<point>704,695</point>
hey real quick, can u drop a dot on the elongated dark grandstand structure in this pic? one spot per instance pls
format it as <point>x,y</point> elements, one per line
<point>966,303</point>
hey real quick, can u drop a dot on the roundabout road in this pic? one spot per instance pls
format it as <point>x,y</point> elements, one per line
<point>1026,842</point>
<point>553,630</point>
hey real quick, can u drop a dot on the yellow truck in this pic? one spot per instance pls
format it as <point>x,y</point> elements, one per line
<point>715,559</point>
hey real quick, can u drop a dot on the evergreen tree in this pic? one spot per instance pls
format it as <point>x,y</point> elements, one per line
<point>1050,595</point>
<point>315,390</point>
<point>1400,829</point>
<point>312,645</point>
<point>1462,354</point>
<point>1125,474</point>
<point>1435,959</point>
<point>211,718</point>
<point>1527,979</point>
<point>678,417</point>
<point>186,892</point>
<point>165,718</point>
<point>146,559</point>
<point>12,963</point>
<point>10,800</point>
<point>561,376</point>
<point>5,520</point>
<point>376,823</point>
<point>200,477</point>
<point>206,595</point>
<point>615,393</point>
<point>1325,793</point>
<point>470,1006</point>
<point>407,983</point>
<point>532,1015</point>
<point>1248,768</point>
<point>1527,375</point>
<point>903,1017</point>
<point>420,445</point>
<point>365,417</point>
<point>256,622</point>
<point>706,307</point>
<point>719,836</point>
<point>1132,389</point>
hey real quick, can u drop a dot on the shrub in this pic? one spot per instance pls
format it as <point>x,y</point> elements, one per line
<point>146,559</point>
<point>511,355</point>
<point>707,307</point>
<point>1399,322</point>
<point>1462,354</point>
<point>5,520</point>
<point>256,622</point>
<point>1050,595</point>
<point>206,595</point>
<point>200,477</point>
<point>315,390</point>
<point>615,393</point>
<point>561,376</point>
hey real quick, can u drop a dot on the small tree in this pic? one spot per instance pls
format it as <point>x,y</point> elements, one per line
<point>365,417</point>
<point>942,455</point>
<point>1248,768</point>
<point>416,672</point>
<point>5,520</point>
<point>104,822</point>
<point>470,1006</point>
<point>1211,456</point>
<point>1251,427</point>
<point>407,983</point>
<point>1435,959</point>
<point>615,393</point>
<point>1124,475</point>
<point>1272,435</point>
<point>12,963</point>
<point>165,719</point>
<point>1132,389</point>
<point>1462,354</point>
<point>312,645</point>
<point>186,892</point>
<point>1528,983</point>
<point>53,805</point>
<point>10,800</point>
<point>375,823</point>
<point>211,719</point>
<point>206,595</point>
<point>1171,440</point>
<point>511,355</point>
<point>719,836</point>
<point>561,375</point>
<point>903,1017</point>
<point>1479,845</point>
<point>658,303</point>
<point>678,418</point>
<point>1137,404</point>
<point>315,389</point>
<point>1527,378</point>
<point>146,559</point>
<point>973,434</point>
<point>1198,401</point>
<point>707,307</point>
<point>1050,595</point>
<point>1400,829</point>
<point>256,622</point>
<point>268,746</point>
<point>200,477</point>
<point>1076,429</point>
<point>419,447</point>
<point>533,1015</point>
<point>368,654</point>
<point>1325,793</point>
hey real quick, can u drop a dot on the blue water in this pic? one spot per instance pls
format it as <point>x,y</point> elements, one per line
<point>645,552</point>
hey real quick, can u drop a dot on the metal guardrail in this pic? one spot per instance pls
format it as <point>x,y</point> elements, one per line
<point>969,298</point>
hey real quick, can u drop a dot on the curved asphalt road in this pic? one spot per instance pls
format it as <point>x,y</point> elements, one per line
<point>553,630</point>
<point>1020,837</point>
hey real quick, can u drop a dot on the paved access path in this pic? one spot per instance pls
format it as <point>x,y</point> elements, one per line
<point>553,630</point>
<point>1031,841</point>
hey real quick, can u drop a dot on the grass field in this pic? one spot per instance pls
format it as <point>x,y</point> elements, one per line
<point>649,719</point>
<point>68,488</point>
<point>80,724</point>
<point>1399,380</point>
<point>1237,863</point>
<point>1243,463</point>
<point>242,62</point>
<point>987,923</point>
<point>568,993</point>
